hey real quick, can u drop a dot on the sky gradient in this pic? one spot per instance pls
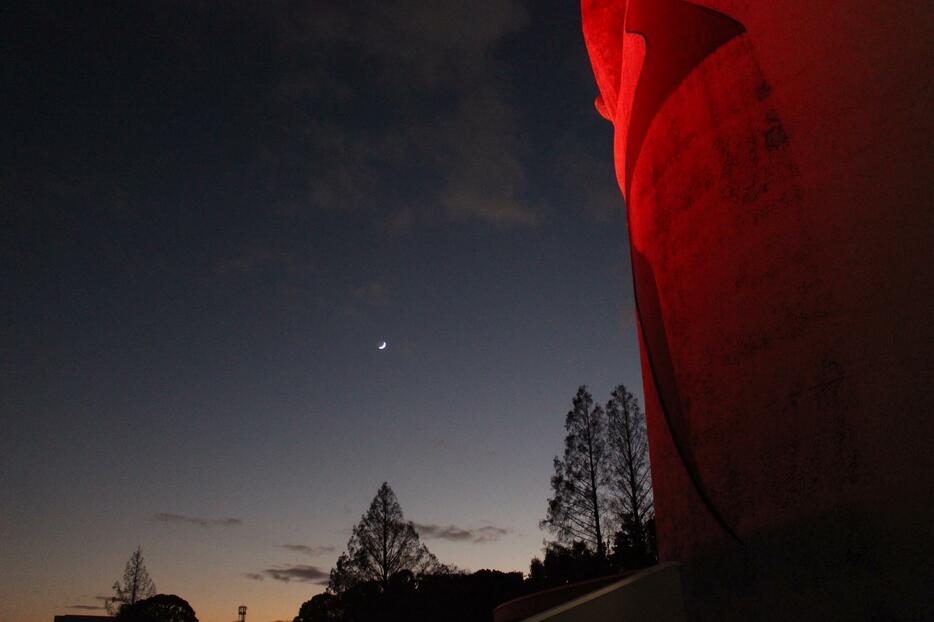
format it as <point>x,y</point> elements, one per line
<point>213,214</point>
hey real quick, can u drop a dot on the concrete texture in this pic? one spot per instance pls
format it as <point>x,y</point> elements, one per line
<point>524,607</point>
<point>783,246</point>
<point>653,595</point>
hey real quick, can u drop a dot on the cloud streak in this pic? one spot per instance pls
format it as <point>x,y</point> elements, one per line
<point>85,607</point>
<point>371,294</point>
<point>167,517</point>
<point>261,256</point>
<point>311,551</point>
<point>453,533</point>
<point>300,573</point>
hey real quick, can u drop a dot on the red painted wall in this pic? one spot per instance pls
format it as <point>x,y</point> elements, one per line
<point>777,164</point>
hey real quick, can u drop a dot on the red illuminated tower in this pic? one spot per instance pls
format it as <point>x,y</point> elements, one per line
<point>776,162</point>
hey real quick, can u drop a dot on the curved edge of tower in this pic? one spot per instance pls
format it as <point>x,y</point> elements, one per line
<point>776,161</point>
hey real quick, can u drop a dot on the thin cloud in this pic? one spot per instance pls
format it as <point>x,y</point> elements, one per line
<point>453,533</point>
<point>311,551</point>
<point>259,257</point>
<point>85,607</point>
<point>471,154</point>
<point>372,293</point>
<point>591,180</point>
<point>166,517</point>
<point>300,573</point>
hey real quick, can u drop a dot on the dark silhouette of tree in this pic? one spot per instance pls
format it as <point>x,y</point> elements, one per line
<point>630,479</point>
<point>566,564</point>
<point>158,608</point>
<point>460,597</point>
<point>577,508</point>
<point>652,540</point>
<point>382,544</point>
<point>634,548</point>
<point>136,584</point>
<point>325,607</point>
<point>452,596</point>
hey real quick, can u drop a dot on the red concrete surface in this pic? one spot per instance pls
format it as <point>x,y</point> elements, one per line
<point>776,159</point>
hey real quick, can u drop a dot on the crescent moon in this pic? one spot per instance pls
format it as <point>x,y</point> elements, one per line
<point>381,346</point>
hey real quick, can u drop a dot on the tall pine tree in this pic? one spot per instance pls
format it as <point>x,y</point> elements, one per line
<point>136,586</point>
<point>630,479</point>
<point>383,543</point>
<point>577,510</point>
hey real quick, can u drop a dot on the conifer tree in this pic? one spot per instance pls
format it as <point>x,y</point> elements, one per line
<point>136,586</point>
<point>383,543</point>
<point>630,479</point>
<point>577,510</point>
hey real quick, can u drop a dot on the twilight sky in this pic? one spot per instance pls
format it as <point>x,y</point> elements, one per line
<point>212,214</point>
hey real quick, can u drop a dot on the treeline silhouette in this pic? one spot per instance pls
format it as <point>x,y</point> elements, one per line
<point>158,608</point>
<point>600,512</point>
<point>457,596</point>
<point>444,595</point>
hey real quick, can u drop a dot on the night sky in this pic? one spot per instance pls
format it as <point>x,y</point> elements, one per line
<point>213,214</point>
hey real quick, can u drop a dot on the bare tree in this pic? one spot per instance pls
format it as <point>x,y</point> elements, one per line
<point>383,543</point>
<point>136,586</point>
<point>577,508</point>
<point>630,478</point>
